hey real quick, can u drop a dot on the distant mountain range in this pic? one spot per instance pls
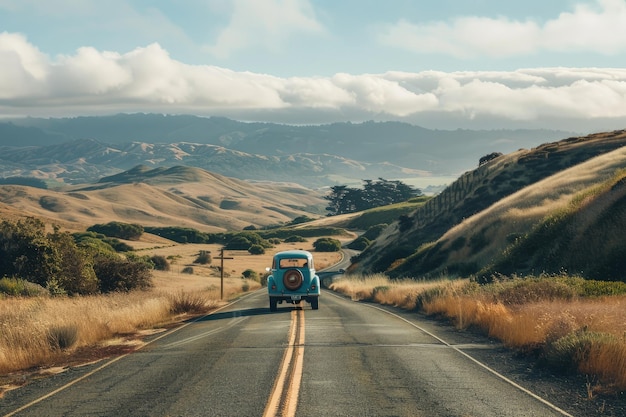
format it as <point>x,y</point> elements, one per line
<point>85,149</point>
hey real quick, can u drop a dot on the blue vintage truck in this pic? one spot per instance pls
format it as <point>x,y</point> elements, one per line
<point>293,279</point>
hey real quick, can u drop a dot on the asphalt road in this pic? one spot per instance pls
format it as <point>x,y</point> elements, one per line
<point>345,359</point>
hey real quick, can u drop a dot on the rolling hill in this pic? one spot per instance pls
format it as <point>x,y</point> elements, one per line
<point>177,196</point>
<point>557,207</point>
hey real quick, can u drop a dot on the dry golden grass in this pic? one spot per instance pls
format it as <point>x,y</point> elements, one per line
<point>33,328</point>
<point>44,332</point>
<point>520,211</point>
<point>525,326</point>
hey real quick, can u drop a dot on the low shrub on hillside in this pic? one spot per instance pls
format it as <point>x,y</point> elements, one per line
<point>294,239</point>
<point>160,263</point>
<point>360,243</point>
<point>250,274</point>
<point>327,244</point>
<point>256,250</point>
<point>20,287</point>
<point>204,258</point>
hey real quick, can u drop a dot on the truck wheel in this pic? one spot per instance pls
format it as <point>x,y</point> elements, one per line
<point>273,304</point>
<point>315,303</point>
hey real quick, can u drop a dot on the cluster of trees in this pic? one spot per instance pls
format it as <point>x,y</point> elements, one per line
<point>121,230</point>
<point>343,199</point>
<point>56,262</point>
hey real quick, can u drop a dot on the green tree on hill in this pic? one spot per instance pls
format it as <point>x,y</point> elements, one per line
<point>343,199</point>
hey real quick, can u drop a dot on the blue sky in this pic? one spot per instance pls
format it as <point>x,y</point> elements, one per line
<point>444,64</point>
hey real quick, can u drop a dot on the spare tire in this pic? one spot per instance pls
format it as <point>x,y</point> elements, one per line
<point>293,279</point>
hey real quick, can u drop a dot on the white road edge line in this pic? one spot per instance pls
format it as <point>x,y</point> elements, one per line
<point>477,362</point>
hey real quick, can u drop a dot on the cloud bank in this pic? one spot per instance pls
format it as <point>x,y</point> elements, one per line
<point>147,79</point>
<point>598,29</point>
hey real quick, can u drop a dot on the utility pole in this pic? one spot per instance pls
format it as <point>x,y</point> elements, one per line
<point>222,272</point>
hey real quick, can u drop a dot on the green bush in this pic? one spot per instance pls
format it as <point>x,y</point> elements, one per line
<point>181,234</point>
<point>327,244</point>
<point>117,274</point>
<point>187,270</point>
<point>294,239</point>
<point>250,274</point>
<point>567,352</point>
<point>239,243</point>
<point>160,263</point>
<point>20,288</point>
<point>373,232</point>
<point>263,278</point>
<point>360,243</point>
<point>204,258</point>
<point>256,250</point>
<point>118,229</point>
<point>50,260</point>
<point>531,290</point>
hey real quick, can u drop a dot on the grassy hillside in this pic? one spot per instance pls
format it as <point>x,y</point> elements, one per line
<point>470,227</point>
<point>178,196</point>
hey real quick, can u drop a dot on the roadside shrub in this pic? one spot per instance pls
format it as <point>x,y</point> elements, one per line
<point>47,259</point>
<point>256,250</point>
<point>204,258</point>
<point>326,244</point>
<point>532,290</point>
<point>186,302</point>
<point>63,336</point>
<point>568,352</point>
<point>187,270</point>
<point>250,274</point>
<point>117,274</point>
<point>263,279</point>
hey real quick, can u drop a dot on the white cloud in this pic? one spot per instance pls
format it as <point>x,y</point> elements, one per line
<point>599,29</point>
<point>266,24</point>
<point>148,79</point>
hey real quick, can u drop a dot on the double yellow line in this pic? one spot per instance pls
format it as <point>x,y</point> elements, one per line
<point>283,399</point>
